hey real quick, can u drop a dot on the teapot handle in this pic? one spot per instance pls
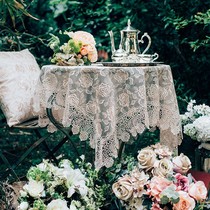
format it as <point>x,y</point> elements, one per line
<point>142,41</point>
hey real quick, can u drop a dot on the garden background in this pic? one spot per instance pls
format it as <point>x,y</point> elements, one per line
<point>180,32</point>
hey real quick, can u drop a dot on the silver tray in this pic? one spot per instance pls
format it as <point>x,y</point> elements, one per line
<point>114,64</point>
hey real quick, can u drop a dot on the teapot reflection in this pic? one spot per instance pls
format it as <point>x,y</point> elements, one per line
<point>129,47</point>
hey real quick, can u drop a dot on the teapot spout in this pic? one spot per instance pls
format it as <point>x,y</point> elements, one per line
<point>112,42</point>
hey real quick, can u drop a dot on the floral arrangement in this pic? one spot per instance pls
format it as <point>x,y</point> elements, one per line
<point>73,48</point>
<point>159,181</point>
<point>196,121</point>
<point>62,187</point>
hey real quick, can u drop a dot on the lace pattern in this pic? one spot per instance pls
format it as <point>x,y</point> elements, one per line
<point>108,105</point>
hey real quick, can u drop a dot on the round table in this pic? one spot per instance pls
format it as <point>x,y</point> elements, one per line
<point>108,105</point>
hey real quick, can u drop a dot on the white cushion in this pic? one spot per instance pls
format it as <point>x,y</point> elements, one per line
<point>19,73</point>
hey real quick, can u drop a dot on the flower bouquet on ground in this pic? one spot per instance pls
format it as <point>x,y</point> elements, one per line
<point>62,187</point>
<point>159,181</point>
<point>73,48</point>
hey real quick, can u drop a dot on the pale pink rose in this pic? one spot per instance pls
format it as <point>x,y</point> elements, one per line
<point>185,202</point>
<point>156,186</point>
<point>163,168</point>
<point>156,206</point>
<point>162,150</point>
<point>146,158</point>
<point>182,182</point>
<point>84,37</point>
<point>181,164</point>
<point>123,188</point>
<point>198,191</point>
<point>84,50</point>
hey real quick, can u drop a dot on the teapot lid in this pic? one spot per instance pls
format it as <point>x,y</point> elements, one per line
<point>129,28</point>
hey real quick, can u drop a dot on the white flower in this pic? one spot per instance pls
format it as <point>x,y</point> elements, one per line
<point>35,189</point>
<point>23,206</point>
<point>57,204</point>
<point>76,182</point>
<point>76,205</point>
<point>202,126</point>
<point>190,130</point>
<point>23,193</point>
<point>199,130</point>
<point>190,105</point>
<point>136,203</point>
<point>42,166</point>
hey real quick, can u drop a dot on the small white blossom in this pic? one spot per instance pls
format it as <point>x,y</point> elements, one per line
<point>23,206</point>
<point>57,204</point>
<point>35,189</point>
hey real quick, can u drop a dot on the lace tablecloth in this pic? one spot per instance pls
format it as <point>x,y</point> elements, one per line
<point>108,105</point>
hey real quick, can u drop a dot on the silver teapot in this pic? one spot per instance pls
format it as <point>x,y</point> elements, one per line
<point>129,47</point>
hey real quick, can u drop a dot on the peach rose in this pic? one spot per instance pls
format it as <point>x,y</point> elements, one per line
<point>198,191</point>
<point>157,185</point>
<point>84,51</point>
<point>181,164</point>
<point>146,158</point>
<point>185,202</point>
<point>123,188</point>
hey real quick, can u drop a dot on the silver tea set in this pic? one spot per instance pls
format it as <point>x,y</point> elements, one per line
<point>129,47</point>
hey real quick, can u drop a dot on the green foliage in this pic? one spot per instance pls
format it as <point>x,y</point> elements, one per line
<point>13,9</point>
<point>179,31</point>
<point>169,195</point>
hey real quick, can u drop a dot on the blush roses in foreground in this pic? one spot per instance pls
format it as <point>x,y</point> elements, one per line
<point>73,48</point>
<point>160,181</point>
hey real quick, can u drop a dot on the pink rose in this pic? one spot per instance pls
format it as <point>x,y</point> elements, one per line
<point>185,202</point>
<point>156,186</point>
<point>198,191</point>
<point>182,182</point>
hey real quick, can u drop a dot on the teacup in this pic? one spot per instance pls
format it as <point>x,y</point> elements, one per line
<point>148,58</point>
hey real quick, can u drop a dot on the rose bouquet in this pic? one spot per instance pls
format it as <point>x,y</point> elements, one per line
<point>73,48</point>
<point>63,187</point>
<point>196,122</point>
<point>159,182</point>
